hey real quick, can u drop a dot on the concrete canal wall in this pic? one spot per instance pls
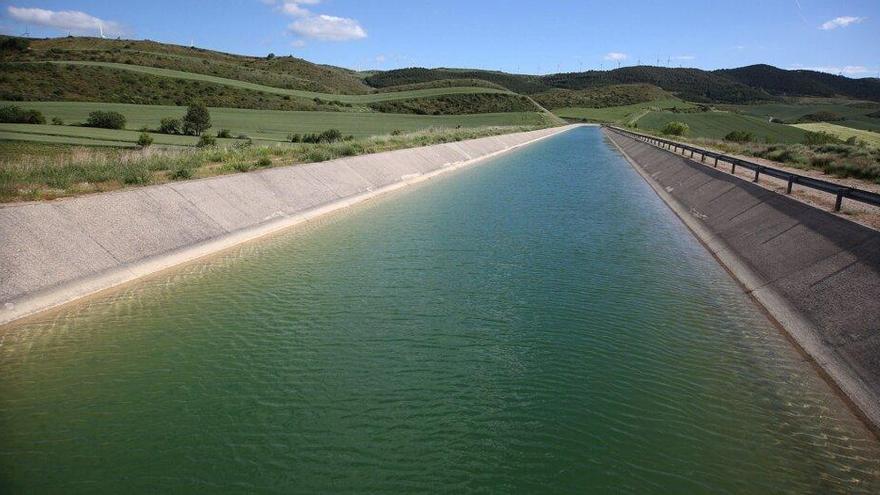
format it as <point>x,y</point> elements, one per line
<point>57,251</point>
<point>817,274</point>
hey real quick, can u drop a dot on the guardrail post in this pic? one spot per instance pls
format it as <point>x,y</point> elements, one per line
<point>790,182</point>
<point>733,167</point>
<point>839,201</point>
<point>692,153</point>
<point>702,157</point>
<point>757,171</point>
<point>716,162</point>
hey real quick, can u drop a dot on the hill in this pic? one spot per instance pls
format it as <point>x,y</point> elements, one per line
<point>601,97</point>
<point>781,82</point>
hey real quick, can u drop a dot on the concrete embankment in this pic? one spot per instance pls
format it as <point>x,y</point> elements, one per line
<point>817,274</point>
<point>54,252</point>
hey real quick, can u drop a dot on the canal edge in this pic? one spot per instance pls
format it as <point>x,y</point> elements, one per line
<point>797,328</point>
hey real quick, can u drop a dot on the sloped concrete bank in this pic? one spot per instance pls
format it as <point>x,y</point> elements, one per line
<point>54,252</point>
<point>817,274</point>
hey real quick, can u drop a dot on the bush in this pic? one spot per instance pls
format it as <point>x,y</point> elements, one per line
<point>675,129</point>
<point>170,125</point>
<point>820,138</point>
<point>145,140</point>
<point>739,137</point>
<point>264,162</point>
<point>13,114</point>
<point>197,119</point>
<point>396,132</point>
<point>330,136</point>
<point>181,173</point>
<point>106,120</point>
<point>206,140</point>
<point>57,121</point>
<point>224,133</point>
<point>774,120</point>
<point>822,116</point>
<point>294,138</point>
<point>14,44</point>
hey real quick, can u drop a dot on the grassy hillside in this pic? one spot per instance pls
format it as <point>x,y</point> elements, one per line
<point>518,83</point>
<point>458,104</point>
<point>869,137</point>
<point>601,97</point>
<point>261,125</point>
<point>716,125</point>
<point>281,72</point>
<point>61,82</point>
<point>625,114</point>
<point>353,99</point>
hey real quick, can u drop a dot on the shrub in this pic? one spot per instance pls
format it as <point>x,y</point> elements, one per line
<point>145,139</point>
<point>675,129</point>
<point>330,136</point>
<point>224,133</point>
<point>181,173</point>
<point>106,120</point>
<point>774,120</point>
<point>264,162</point>
<point>136,173</point>
<point>294,138</point>
<point>822,116</point>
<point>206,140</point>
<point>13,114</point>
<point>739,137</point>
<point>819,138</point>
<point>197,119</point>
<point>396,132</point>
<point>14,44</point>
<point>57,121</point>
<point>170,125</point>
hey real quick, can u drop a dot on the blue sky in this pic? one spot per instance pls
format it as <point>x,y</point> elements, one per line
<point>517,36</point>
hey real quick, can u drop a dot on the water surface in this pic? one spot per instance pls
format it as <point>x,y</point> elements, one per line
<point>538,324</point>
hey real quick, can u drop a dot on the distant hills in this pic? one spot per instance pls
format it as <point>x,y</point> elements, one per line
<point>750,84</point>
<point>20,79</point>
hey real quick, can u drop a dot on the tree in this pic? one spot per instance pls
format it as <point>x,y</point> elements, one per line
<point>197,119</point>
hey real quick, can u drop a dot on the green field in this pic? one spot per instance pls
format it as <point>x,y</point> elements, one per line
<point>855,116</point>
<point>353,99</point>
<point>716,125</point>
<point>260,125</point>
<point>622,114</point>
<point>870,137</point>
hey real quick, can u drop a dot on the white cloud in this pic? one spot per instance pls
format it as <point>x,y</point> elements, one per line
<point>846,70</point>
<point>318,26</point>
<point>298,43</point>
<point>616,56</point>
<point>841,22</point>
<point>328,28</point>
<point>67,20</point>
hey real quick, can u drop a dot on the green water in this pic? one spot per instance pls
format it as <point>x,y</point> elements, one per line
<point>537,324</point>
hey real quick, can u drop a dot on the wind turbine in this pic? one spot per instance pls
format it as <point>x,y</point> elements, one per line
<point>101,28</point>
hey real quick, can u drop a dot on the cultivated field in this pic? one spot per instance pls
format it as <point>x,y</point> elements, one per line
<point>716,125</point>
<point>260,125</point>
<point>626,114</point>
<point>869,137</point>
<point>855,114</point>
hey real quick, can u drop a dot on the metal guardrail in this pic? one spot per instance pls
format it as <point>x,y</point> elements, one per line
<point>838,190</point>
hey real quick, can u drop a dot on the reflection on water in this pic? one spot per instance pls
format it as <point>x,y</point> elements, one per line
<point>540,323</point>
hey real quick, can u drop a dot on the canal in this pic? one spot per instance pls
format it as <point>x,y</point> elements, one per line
<point>539,323</point>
